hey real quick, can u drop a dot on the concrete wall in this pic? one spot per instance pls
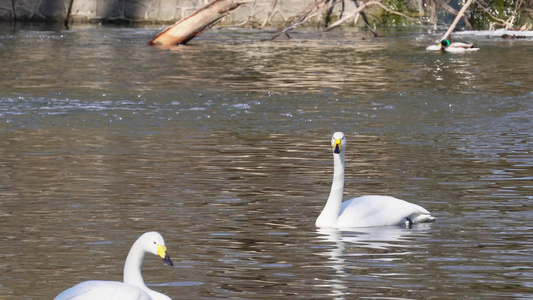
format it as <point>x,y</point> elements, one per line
<point>147,11</point>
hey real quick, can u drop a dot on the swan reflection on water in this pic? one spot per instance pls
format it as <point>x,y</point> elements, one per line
<point>379,244</point>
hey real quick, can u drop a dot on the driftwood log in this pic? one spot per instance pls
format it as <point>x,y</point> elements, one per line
<point>190,27</point>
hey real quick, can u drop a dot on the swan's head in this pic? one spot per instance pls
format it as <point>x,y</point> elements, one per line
<point>153,243</point>
<point>338,142</point>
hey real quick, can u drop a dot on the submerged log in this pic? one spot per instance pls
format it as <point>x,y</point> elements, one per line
<point>190,27</point>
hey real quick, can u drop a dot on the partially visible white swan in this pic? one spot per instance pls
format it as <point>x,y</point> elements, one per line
<point>365,211</point>
<point>133,287</point>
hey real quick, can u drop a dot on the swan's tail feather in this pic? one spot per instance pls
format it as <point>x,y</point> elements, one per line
<point>422,218</point>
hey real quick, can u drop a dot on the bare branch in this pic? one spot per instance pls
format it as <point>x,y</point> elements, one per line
<point>365,20</point>
<point>454,12</point>
<point>363,6</point>
<point>308,13</point>
<point>269,16</point>
<point>459,16</point>
<point>507,24</point>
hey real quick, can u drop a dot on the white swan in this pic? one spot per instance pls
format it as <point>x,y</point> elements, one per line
<point>365,211</point>
<point>133,287</point>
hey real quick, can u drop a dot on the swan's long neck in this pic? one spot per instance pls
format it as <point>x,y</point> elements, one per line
<point>331,210</point>
<point>132,268</point>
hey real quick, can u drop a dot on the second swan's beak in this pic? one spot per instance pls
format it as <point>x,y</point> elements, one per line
<point>337,146</point>
<point>162,252</point>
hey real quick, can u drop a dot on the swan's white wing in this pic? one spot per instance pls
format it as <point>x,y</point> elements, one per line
<point>99,290</point>
<point>368,211</point>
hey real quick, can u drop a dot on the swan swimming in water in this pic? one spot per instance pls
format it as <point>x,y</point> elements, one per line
<point>365,211</point>
<point>133,287</point>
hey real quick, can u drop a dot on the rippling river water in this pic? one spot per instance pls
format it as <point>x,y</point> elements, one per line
<point>223,146</point>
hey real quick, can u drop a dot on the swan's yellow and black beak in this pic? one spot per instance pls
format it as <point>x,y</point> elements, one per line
<point>337,145</point>
<point>162,252</point>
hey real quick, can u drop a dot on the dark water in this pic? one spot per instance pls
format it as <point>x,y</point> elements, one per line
<point>223,147</point>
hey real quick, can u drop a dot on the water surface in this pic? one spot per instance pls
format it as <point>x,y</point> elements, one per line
<point>223,147</point>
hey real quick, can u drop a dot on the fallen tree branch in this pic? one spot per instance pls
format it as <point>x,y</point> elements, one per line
<point>363,6</point>
<point>270,13</point>
<point>69,12</point>
<point>507,24</point>
<point>319,6</point>
<point>365,20</point>
<point>454,23</point>
<point>308,13</point>
<point>351,15</point>
<point>450,9</point>
<point>503,22</point>
<point>190,27</point>
<point>13,11</point>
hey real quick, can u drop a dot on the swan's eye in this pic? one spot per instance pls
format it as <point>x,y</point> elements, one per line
<point>155,243</point>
